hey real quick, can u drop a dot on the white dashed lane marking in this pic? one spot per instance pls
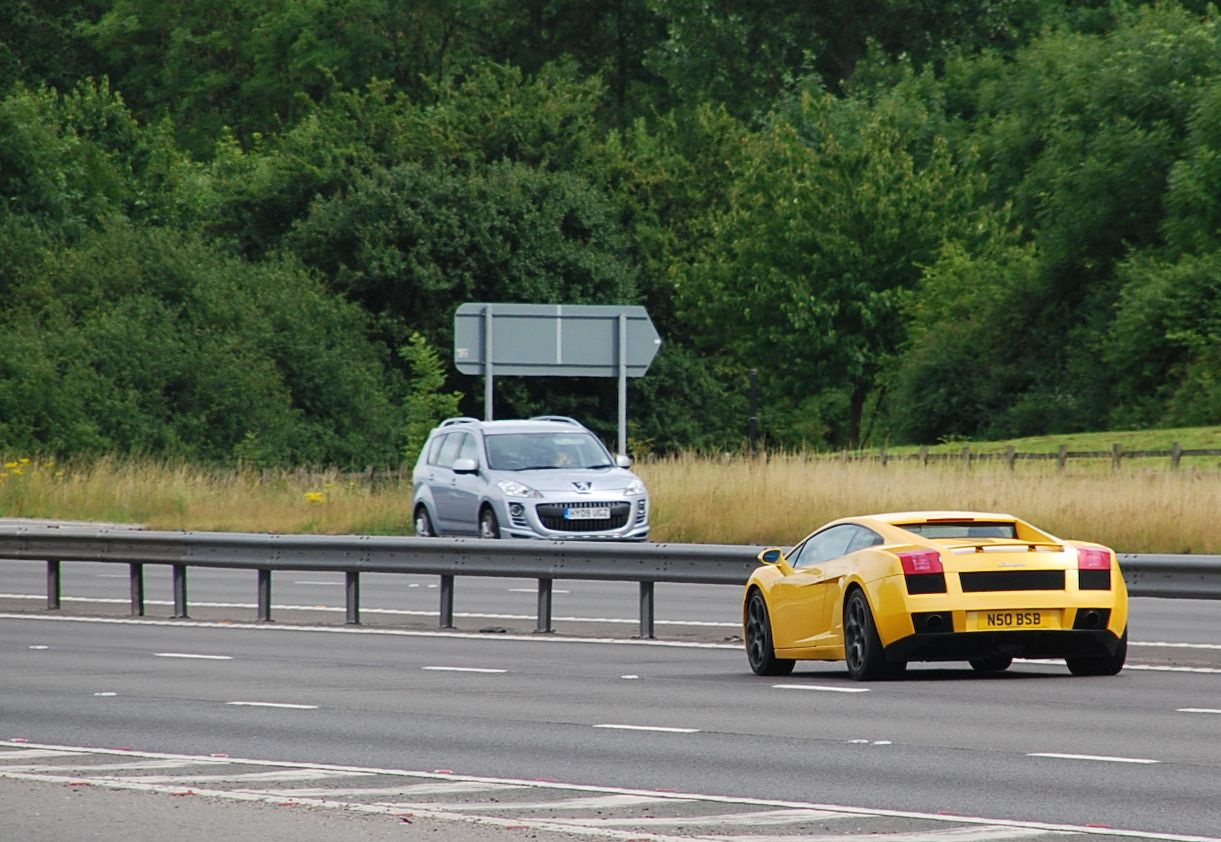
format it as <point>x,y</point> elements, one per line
<point>190,656</point>
<point>288,705</point>
<point>821,687</point>
<point>466,669</point>
<point>661,728</point>
<point>1094,757</point>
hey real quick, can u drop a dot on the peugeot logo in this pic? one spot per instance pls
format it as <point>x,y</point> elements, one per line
<point>582,487</point>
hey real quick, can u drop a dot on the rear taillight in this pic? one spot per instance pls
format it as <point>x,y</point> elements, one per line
<point>920,562</point>
<point>922,571</point>
<point>1093,558</point>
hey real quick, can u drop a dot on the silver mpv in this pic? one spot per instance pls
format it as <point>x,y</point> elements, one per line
<point>545,477</point>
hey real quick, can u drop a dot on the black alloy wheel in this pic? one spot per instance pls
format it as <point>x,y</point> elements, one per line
<point>1104,664</point>
<point>760,652</point>
<point>862,646</point>
<point>489,527</point>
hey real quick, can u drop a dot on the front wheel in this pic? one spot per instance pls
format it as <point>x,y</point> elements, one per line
<point>862,646</point>
<point>489,527</point>
<point>1102,665</point>
<point>423,523</point>
<point>760,651</point>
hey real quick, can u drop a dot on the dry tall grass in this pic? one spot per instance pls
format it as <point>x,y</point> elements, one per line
<point>695,499</point>
<point>779,500</point>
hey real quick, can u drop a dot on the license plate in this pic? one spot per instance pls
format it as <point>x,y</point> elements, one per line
<point>1013,620</point>
<point>584,513</point>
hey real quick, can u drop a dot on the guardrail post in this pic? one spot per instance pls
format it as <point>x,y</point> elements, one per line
<point>447,601</point>
<point>544,606</point>
<point>52,585</point>
<point>136,575</point>
<point>180,591</point>
<point>264,596</point>
<point>646,610</point>
<point>353,597</point>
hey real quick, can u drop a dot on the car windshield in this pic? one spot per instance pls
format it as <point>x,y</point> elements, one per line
<point>543,451</point>
<point>963,529</point>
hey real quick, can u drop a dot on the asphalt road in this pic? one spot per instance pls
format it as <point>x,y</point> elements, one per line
<point>1139,752</point>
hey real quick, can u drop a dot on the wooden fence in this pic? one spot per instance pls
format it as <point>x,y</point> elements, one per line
<point>1010,456</point>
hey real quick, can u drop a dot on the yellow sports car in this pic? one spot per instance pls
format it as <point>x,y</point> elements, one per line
<point>881,590</point>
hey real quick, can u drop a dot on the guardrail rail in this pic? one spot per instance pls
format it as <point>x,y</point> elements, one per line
<point>1173,576</point>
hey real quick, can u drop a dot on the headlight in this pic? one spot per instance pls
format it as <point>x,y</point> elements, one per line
<point>634,488</point>
<point>513,488</point>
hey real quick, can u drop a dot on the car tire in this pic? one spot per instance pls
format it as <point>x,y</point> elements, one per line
<point>862,646</point>
<point>991,663</point>
<point>489,527</point>
<point>423,523</point>
<point>760,652</point>
<point>1102,665</point>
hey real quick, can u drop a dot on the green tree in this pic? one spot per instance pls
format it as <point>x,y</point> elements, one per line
<point>426,404</point>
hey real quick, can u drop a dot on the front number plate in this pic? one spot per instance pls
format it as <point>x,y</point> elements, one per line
<point>1010,620</point>
<point>599,513</point>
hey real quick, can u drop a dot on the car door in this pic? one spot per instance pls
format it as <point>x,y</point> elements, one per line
<point>441,482</point>
<point>466,488</point>
<point>800,617</point>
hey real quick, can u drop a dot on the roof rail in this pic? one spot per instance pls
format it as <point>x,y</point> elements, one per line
<point>461,420</point>
<point>563,419</point>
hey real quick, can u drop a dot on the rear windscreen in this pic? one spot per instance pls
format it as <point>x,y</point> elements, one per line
<point>963,529</point>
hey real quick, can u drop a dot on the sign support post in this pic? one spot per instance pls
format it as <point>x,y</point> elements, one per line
<point>557,340</point>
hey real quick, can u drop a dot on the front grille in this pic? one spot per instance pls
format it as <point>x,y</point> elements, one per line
<point>1012,580</point>
<point>551,515</point>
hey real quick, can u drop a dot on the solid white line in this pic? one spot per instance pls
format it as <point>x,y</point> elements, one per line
<point>587,802</point>
<point>1198,710</point>
<point>821,687</point>
<point>393,612</point>
<point>274,705</point>
<point>566,787</point>
<point>464,669</point>
<point>1157,668</point>
<point>650,728</point>
<point>1097,757</point>
<point>193,657</point>
<point>545,639</point>
<point>1167,645</point>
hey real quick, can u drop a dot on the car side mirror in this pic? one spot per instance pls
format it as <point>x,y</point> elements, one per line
<point>622,460</point>
<point>772,555</point>
<point>465,466</point>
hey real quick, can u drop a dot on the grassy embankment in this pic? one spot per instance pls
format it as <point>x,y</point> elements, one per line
<point>1142,507</point>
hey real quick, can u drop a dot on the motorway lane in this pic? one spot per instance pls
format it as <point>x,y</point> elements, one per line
<point>941,740</point>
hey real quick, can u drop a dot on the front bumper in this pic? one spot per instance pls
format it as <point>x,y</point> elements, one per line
<point>559,520</point>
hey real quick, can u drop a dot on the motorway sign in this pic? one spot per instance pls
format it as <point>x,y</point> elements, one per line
<point>558,340</point>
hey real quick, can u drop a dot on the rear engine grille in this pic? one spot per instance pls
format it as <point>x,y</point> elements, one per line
<point>551,515</point>
<point>1094,580</point>
<point>925,583</point>
<point>1012,580</point>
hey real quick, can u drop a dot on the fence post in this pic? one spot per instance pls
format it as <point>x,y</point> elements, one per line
<point>646,610</point>
<point>544,606</point>
<point>447,601</point>
<point>1116,456</point>
<point>352,593</point>
<point>1011,456</point>
<point>924,456</point>
<point>966,456</point>
<point>1176,453</point>
<point>1062,457</point>
<point>180,591</point>
<point>264,596</point>
<point>136,572</point>
<point>885,456</point>
<point>53,586</point>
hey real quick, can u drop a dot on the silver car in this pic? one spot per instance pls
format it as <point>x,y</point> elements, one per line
<point>545,477</point>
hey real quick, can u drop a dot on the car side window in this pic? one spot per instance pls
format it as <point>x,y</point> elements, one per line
<point>449,450</point>
<point>864,538</point>
<point>831,543</point>
<point>469,448</point>
<point>434,449</point>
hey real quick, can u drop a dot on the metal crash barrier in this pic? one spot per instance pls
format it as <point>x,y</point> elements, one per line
<point>1175,576</point>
